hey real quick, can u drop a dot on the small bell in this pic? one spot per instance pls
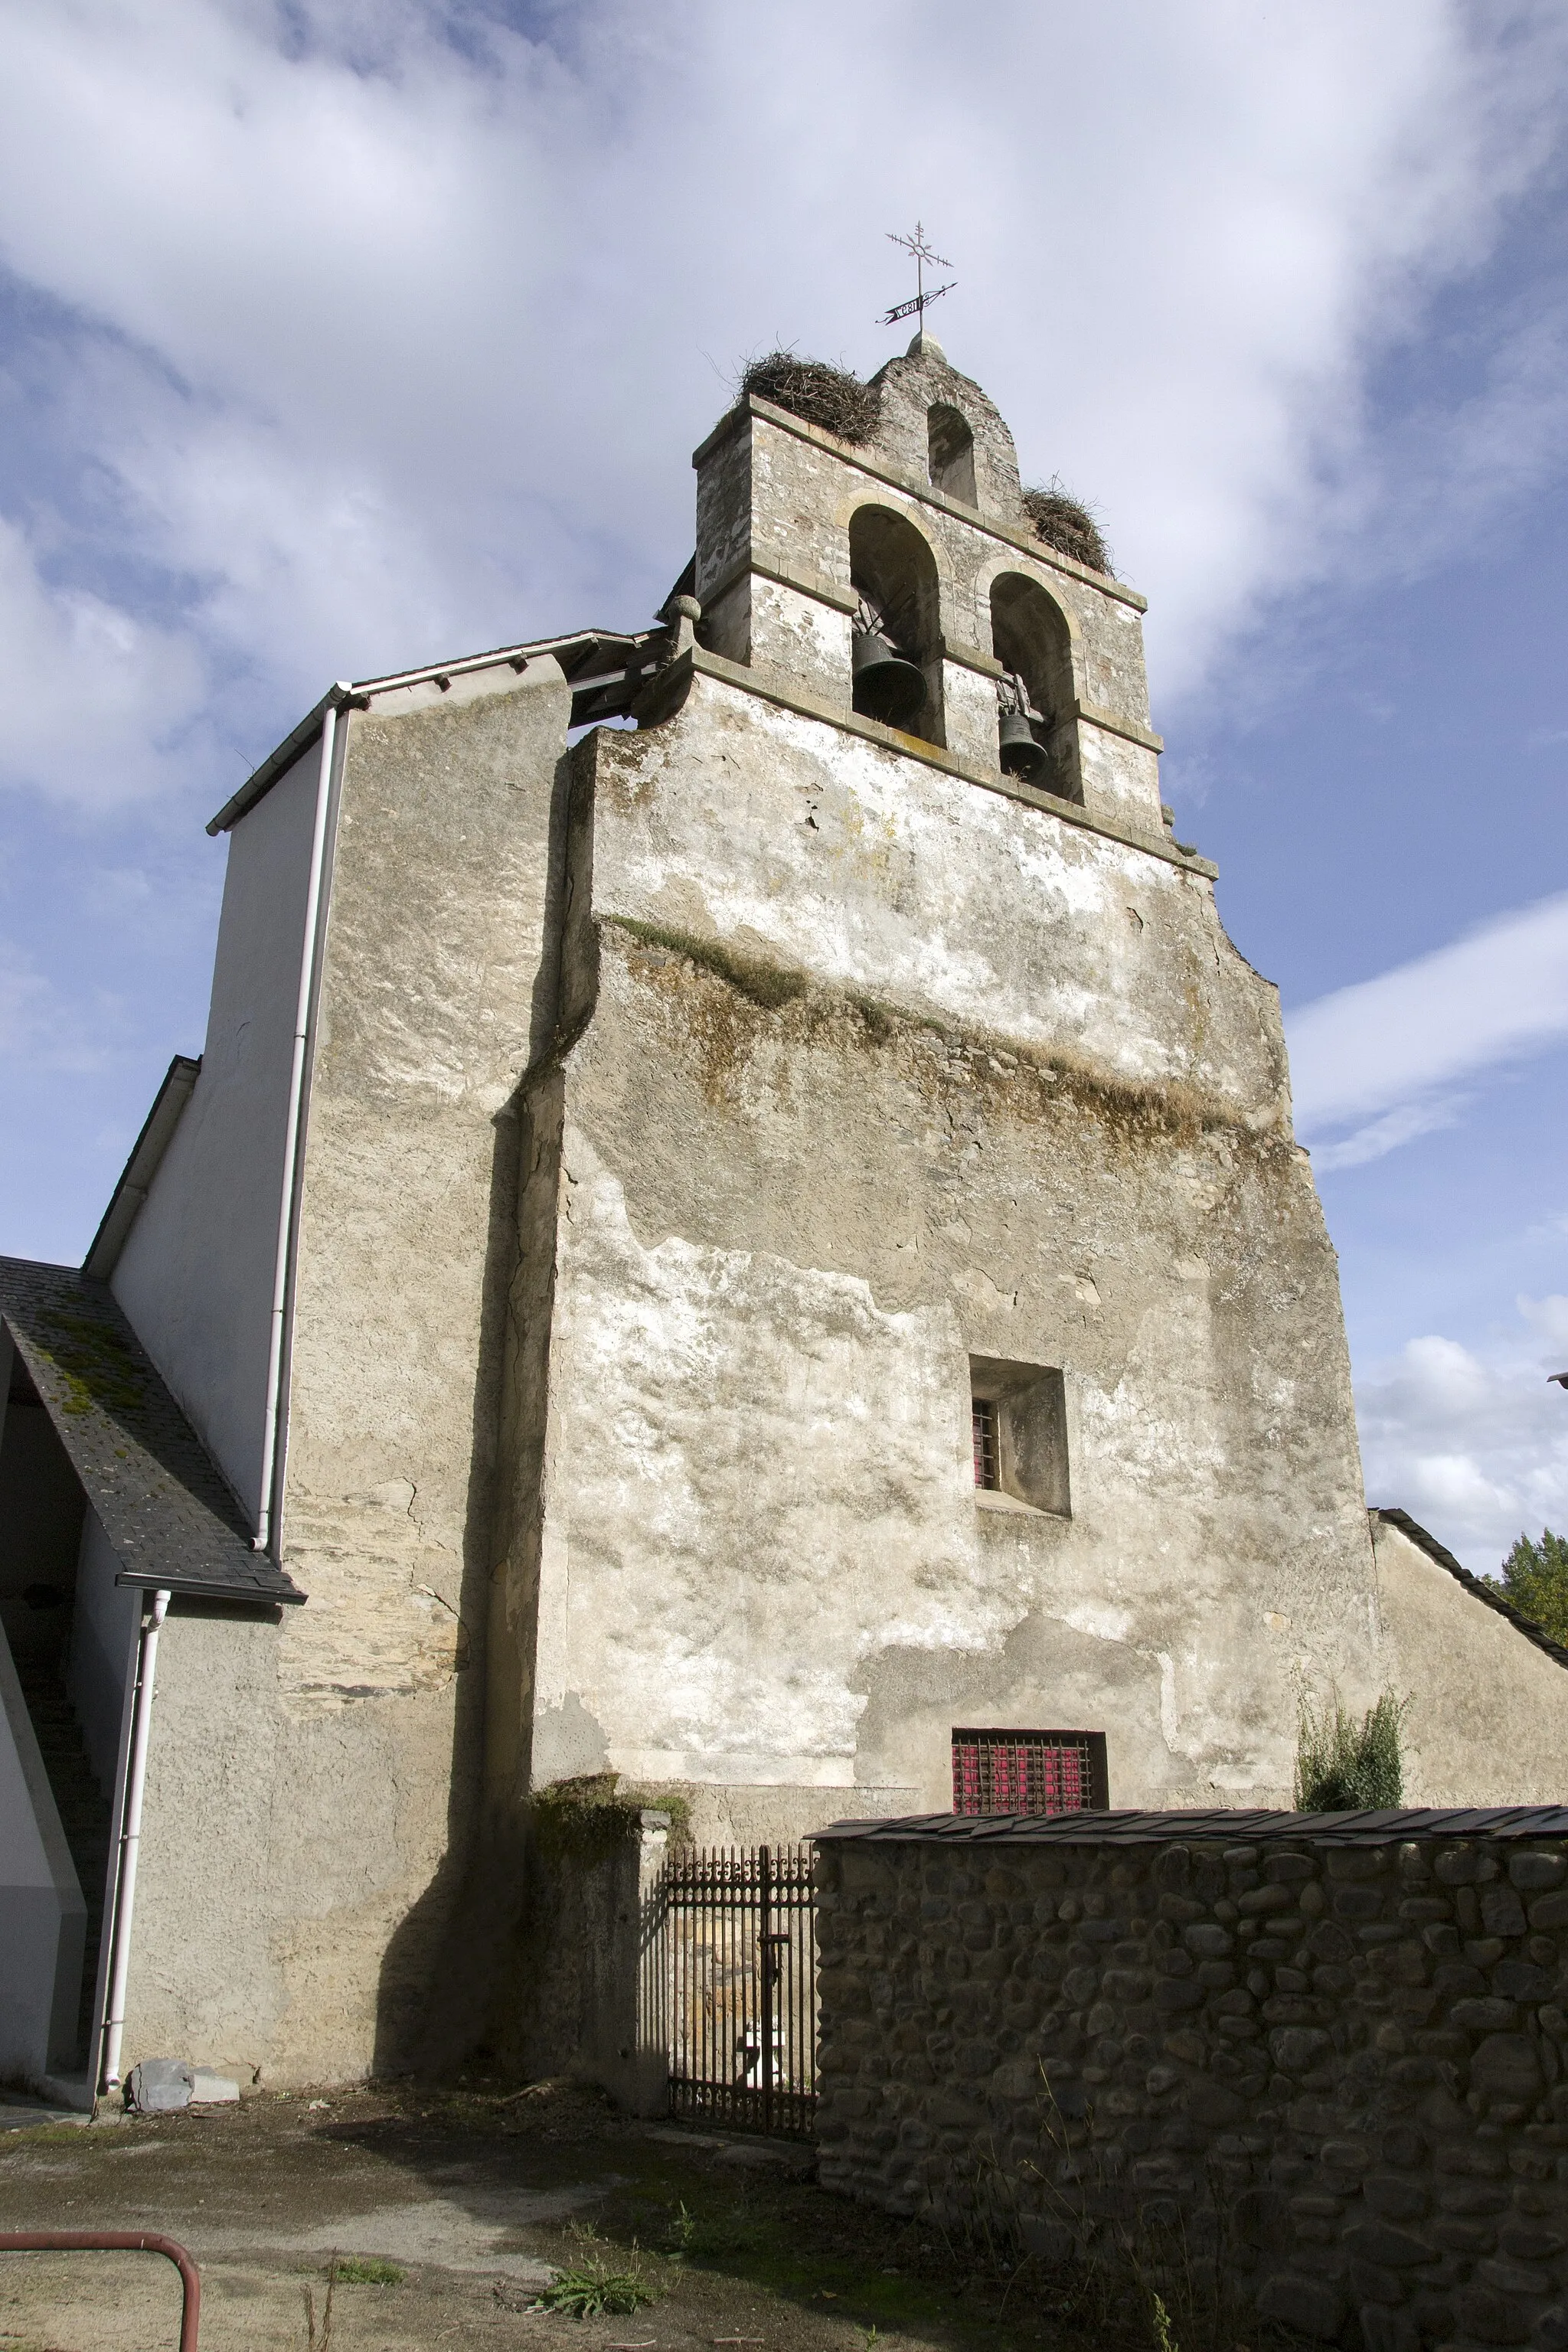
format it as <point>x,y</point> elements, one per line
<point>1021,754</point>
<point>887,687</point>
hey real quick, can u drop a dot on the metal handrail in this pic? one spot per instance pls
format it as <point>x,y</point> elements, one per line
<point>119,2241</point>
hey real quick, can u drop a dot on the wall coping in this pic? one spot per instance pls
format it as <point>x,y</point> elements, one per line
<point>1399,1827</point>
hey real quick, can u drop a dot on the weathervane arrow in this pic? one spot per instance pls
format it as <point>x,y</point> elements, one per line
<point>920,302</point>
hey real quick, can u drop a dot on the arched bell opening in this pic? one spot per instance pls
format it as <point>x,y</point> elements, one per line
<point>896,640</point>
<point>1037,729</point>
<point>952,445</point>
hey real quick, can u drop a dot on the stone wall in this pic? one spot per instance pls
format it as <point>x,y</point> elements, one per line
<point>798,1170</point>
<point>1338,2051</point>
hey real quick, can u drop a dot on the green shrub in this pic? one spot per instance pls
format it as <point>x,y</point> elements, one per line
<point>1346,1766</point>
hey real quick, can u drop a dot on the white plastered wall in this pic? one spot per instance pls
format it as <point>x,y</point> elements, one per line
<point>195,1274</point>
<point>1486,1719</point>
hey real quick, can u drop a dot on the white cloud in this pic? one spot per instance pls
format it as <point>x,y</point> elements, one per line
<point>92,695</point>
<point>1402,1125</point>
<point>1474,1443</point>
<point>391,326</point>
<point>1389,1050</point>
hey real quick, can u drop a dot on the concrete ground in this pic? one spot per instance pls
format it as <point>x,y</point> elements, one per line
<point>476,2200</point>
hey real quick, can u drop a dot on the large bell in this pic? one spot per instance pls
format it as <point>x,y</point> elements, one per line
<point>887,687</point>
<point>1021,754</point>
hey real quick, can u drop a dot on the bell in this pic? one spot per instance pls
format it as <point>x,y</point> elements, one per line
<point>887,687</point>
<point>1021,754</point>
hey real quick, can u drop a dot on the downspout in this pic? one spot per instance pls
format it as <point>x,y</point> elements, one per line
<point>130,1840</point>
<point>268,1532</point>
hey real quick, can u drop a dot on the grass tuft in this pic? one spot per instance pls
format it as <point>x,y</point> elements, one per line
<point>367,2270</point>
<point>592,2290</point>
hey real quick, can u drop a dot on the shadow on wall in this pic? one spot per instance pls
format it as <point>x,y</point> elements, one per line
<point>441,1971</point>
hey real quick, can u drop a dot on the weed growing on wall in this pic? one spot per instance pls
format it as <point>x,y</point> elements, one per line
<point>591,1817</point>
<point>1346,1765</point>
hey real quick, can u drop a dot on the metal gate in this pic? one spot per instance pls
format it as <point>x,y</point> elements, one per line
<point>729,1986</point>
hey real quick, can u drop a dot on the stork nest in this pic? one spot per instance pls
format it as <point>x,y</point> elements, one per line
<point>821,394</point>
<point>1067,525</point>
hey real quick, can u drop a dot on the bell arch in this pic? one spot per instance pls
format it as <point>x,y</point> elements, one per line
<point>895,641</point>
<point>1036,712</point>
<point>950,447</point>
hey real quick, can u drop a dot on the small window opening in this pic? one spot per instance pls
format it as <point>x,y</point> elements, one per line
<point>986,1471</point>
<point>1029,1772</point>
<point>951,448</point>
<point>1018,1415</point>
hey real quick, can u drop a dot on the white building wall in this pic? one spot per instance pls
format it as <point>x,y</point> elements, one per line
<point>195,1274</point>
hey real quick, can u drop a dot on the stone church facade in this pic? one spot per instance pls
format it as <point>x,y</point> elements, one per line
<point>747,1250</point>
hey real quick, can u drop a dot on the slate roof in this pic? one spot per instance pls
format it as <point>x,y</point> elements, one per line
<point>164,1507</point>
<point>1235,1828</point>
<point>1479,1587</point>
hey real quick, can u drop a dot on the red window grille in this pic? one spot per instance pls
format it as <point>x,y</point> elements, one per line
<point>1027,1771</point>
<point>987,1459</point>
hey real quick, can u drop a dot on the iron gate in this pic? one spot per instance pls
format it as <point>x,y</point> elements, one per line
<point>729,1986</point>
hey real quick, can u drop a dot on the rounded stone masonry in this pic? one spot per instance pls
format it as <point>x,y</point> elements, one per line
<point>1329,2047</point>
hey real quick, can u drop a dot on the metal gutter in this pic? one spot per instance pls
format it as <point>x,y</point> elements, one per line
<point>131,1839</point>
<point>284,1253</point>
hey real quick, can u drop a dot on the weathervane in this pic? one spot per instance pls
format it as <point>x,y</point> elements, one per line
<point>919,300</point>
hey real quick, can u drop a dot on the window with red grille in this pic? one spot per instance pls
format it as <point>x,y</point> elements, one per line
<point>1028,1771</point>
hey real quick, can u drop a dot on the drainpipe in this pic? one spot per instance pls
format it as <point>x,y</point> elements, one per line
<point>268,1534</point>
<point>130,1840</point>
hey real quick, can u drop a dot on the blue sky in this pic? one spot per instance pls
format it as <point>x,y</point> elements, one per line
<point>337,337</point>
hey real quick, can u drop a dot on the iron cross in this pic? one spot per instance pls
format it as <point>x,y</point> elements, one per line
<point>919,300</point>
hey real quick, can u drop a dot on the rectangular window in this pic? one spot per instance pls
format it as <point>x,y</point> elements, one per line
<point>987,1467</point>
<point>1019,1413</point>
<point>1029,1772</point>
